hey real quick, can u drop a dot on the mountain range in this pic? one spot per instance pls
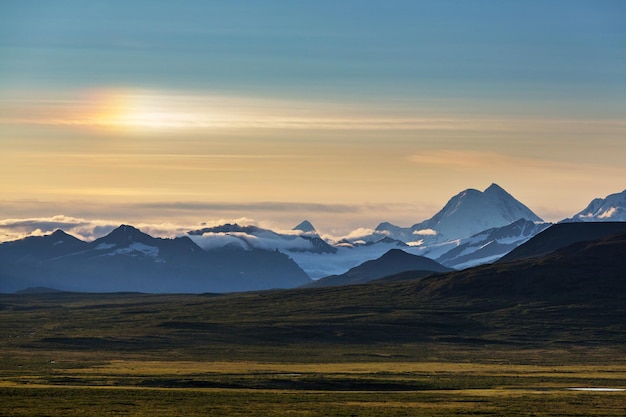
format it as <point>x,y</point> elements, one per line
<point>128,260</point>
<point>569,299</point>
<point>473,228</point>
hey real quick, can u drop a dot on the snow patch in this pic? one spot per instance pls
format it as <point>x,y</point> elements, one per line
<point>608,214</point>
<point>138,248</point>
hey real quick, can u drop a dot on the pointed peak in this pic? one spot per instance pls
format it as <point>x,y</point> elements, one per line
<point>306,227</point>
<point>61,236</point>
<point>494,188</point>
<point>125,233</point>
<point>59,233</point>
<point>396,254</point>
<point>128,229</point>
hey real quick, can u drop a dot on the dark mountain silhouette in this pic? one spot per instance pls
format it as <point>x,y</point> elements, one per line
<point>39,290</point>
<point>392,262</point>
<point>40,248</point>
<point>129,260</point>
<point>561,235</point>
<point>124,234</point>
<point>586,271</point>
<point>575,296</point>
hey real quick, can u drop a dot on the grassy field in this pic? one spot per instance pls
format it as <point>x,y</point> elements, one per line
<point>305,353</point>
<point>148,388</point>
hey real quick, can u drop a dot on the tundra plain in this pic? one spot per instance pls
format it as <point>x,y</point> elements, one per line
<point>336,351</point>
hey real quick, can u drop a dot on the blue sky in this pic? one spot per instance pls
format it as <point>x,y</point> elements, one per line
<point>440,48</point>
<point>451,94</point>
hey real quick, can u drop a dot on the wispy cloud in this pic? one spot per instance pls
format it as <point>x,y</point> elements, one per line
<point>264,206</point>
<point>12,229</point>
<point>425,232</point>
<point>263,240</point>
<point>361,232</point>
<point>138,110</point>
<point>498,162</point>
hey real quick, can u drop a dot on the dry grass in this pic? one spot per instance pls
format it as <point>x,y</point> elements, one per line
<point>136,367</point>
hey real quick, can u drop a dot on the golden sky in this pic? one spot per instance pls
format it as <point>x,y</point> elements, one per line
<point>125,148</point>
<point>347,114</point>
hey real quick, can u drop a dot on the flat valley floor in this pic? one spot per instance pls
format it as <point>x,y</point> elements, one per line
<point>140,355</point>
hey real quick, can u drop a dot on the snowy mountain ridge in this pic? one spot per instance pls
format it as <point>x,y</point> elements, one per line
<point>467,213</point>
<point>609,209</point>
<point>472,228</point>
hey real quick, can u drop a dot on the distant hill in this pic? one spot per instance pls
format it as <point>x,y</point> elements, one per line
<point>392,262</point>
<point>561,235</point>
<point>589,271</point>
<point>38,290</point>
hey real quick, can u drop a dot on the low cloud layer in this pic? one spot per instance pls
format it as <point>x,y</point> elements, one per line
<point>264,240</point>
<point>13,229</point>
<point>425,232</point>
<point>88,230</point>
<point>356,234</point>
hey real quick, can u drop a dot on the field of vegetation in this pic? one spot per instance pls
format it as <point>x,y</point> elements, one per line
<point>333,352</point>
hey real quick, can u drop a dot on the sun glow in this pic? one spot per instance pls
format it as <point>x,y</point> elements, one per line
<point>139,110</point>
<point>132,111</point>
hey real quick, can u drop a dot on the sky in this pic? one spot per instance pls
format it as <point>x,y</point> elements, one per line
<point>346,113</point>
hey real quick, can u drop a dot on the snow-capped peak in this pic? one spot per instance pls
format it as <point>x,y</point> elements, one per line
<point>467,213</point>
<point>609,209</point>
<point>306,227</point>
